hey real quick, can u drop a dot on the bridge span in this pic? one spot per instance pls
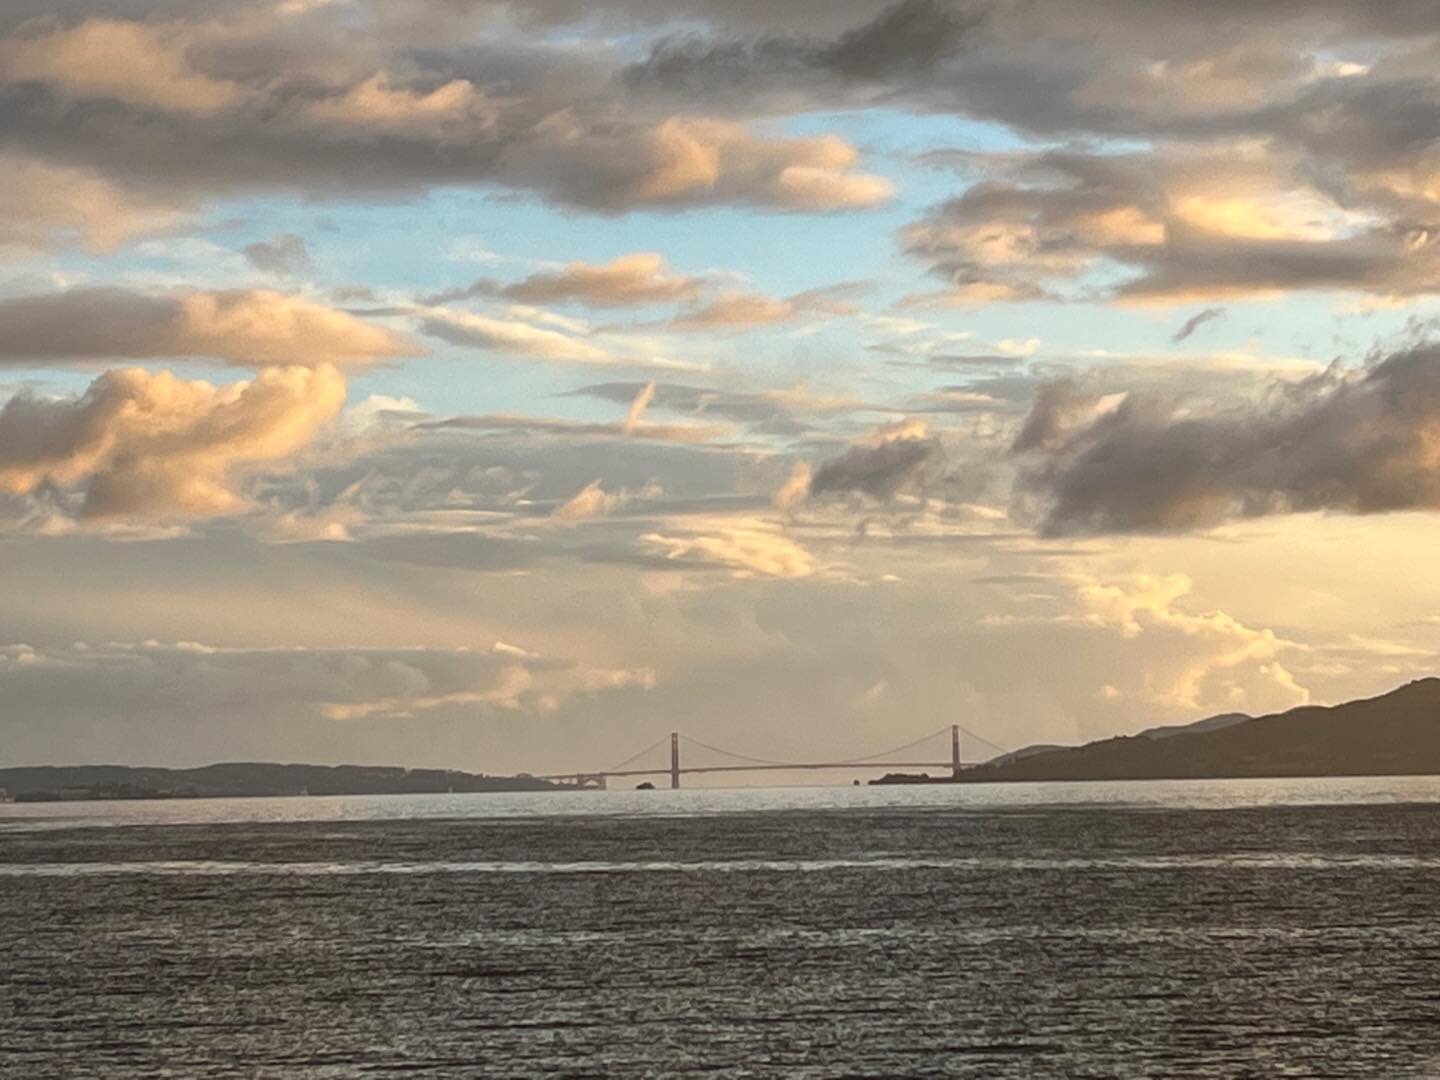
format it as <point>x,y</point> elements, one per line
<point>745,763</point>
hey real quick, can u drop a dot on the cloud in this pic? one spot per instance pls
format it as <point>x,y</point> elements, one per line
<point>1140,644</point>
<point>511,336</point>
<point>593,501</point>
<point>906,40</point>
<point>643,397</point>
<point>689,161</point>
<point>1224,663</point>
<point>130,63</point>
<point>206,100</point>
<point>1196,321</point>
<point>829,186</point>
<point>630,280</point>
<point>1182,224</point>
<point>1353,441</point>
<point>1059,407</point>
<point>248,327</point>
<point>139,445</point>
<point>332,525</point>
<point>519,335</point>
<point>377,106</point>
<point>762,411</point>
<point>237,103</point>
<point>747,310</point>
<point>47,204</point>
<point>529,687</point>
<point>585,430</point>
<point>285,255</point>
<point>735,311</point>
<point>1117,68</point>
<point>590,501</point>
<point>795,489</point>
<point>747,547</point>
<point>284,701</point>
<point>880,465</point>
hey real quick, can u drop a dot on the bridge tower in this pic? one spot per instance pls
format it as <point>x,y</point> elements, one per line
<point>955,750</point>
<point>674,759</point>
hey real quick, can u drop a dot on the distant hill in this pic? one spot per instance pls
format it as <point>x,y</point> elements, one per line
<point>1210,723</point>
<point>246,778</point>
<point>1026,752</point>
<point>1395,734</point>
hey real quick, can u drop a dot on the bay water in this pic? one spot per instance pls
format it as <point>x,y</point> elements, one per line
<point>1178,929</point>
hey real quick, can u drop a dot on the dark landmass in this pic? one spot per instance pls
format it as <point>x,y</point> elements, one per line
<point>1165,731</point>
<point>51,783</point>
<point>1210,723</point>
<point>910,778</point>
<point>1395,734</point>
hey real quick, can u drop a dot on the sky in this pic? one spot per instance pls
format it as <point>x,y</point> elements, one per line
<point>502,384</point>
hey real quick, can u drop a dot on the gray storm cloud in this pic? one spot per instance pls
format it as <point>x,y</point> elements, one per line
<point>1361,442</point>
<point>1058,407</point>
<point>180,105</point>
<point>285,255</point>
<point>879,467</point>
<point>144,109</point>
<point>904,41</point>
<point>1196,321</point>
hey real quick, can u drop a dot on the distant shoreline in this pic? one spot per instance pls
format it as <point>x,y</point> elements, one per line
<point>903,779</point>
<point>1395,734</point>
<point>128,783</point>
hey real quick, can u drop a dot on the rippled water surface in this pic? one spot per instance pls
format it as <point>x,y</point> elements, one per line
<point>1241,929</point>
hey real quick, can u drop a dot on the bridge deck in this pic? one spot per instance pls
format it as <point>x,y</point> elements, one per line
<point>777,767</point>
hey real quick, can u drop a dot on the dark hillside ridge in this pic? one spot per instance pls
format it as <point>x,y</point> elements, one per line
<point>1210,723</point>
<point>244,778</point>
<point>1395,734</point>
<point>1164,732</point>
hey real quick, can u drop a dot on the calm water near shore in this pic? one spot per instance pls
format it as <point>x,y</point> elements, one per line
<point>1225,928</point>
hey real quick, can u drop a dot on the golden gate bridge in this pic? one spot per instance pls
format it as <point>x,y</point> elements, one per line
<point>634,766</point>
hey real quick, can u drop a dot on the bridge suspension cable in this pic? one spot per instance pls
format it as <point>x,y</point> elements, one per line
<point>981,739</point>
<point>864,759</point>
<point>624,768</point>
<point>636,757</point>
<point>732,754</point>
<point>895,750</point>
